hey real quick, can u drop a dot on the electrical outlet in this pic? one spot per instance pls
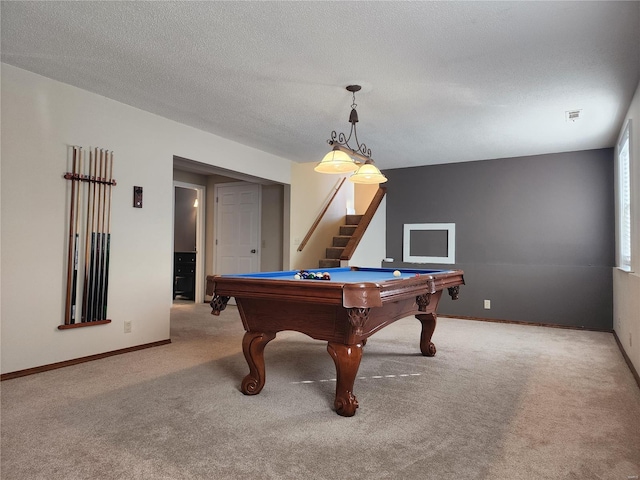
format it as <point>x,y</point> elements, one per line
<point>127,326</point>
<point>487,304</point>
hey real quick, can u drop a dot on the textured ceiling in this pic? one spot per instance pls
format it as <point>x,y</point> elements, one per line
<point>442,81</point>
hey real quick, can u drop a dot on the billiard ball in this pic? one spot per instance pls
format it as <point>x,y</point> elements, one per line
<point>396,273</point>
<point>297,276</point>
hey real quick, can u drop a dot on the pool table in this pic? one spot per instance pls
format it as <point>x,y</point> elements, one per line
<point>344,311</point>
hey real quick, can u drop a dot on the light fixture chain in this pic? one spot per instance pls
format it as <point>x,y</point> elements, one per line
<point>342,139</point>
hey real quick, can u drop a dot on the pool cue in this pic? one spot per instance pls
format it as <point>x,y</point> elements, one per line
<point>69,314</point>
<point>91,280</point>
<point>87,252</point>
<point>74,292</point>
<point>98,239</point>
<point>103,244</point>
<point>107,234</point>
<point>103,239</point>
<point>109,185</point>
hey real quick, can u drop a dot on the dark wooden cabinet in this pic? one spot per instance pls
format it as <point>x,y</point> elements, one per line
<point>184,274</point>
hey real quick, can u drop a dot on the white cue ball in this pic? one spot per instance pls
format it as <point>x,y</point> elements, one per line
<point>396,273</point>
<point>297,276</point>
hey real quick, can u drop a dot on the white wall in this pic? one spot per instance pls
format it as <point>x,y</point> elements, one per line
<point>189,177</point>
<point>364,193</point>
<point>372,248</point>
<point>271,228</point>
<point>626,286</point>
<point>40,119</point>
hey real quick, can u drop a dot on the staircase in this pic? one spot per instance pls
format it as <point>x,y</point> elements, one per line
<point>334,252</point>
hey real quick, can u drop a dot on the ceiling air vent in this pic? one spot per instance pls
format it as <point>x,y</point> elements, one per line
<point>572,115</point>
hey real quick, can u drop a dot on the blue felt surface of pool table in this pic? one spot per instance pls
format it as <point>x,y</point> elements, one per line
<point>342,274</point>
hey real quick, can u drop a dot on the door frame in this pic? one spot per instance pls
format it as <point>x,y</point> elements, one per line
<point>200,235</point>
<point>217,226</point>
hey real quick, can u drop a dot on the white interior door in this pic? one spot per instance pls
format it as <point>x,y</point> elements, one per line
<point>237,228</point>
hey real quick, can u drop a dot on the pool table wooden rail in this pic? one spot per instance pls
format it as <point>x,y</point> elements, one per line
<point>346,294</point>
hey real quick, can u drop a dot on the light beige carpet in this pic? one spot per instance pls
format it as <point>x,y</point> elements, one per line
<point>498,401</point>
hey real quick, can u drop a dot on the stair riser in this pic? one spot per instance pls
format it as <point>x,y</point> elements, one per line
<point>327,263</point>
<point>335,252</point>
<point>341,241</point>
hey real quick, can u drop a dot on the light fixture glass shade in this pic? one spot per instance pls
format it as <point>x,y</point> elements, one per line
<point>368,173</point>
<point>336,161</point>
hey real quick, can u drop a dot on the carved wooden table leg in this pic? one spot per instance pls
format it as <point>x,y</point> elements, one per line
<point>253,344</point>
<point>428,321</point>
<point>347,359</point>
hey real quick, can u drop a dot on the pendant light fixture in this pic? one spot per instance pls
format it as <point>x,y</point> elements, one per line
<point>341,158</point>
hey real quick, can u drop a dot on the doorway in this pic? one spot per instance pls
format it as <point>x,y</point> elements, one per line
<point>188,242</point>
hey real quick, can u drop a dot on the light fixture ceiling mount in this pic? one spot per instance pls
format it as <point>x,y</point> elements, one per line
<point>340,158</point>
<point>341,139</point>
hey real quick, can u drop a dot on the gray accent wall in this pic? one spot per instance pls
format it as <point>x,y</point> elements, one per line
<point>534,235</point>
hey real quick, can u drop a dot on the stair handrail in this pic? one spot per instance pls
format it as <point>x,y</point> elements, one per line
<point>351,246</point>
<point>320,215</point>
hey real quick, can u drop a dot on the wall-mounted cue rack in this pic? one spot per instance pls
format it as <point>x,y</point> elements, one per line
<point>89,243</point>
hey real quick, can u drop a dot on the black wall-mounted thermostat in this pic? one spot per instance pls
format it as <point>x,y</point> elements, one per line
<point>137,197</point>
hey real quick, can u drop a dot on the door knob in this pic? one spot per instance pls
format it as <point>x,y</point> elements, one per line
<point>253,250</point>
